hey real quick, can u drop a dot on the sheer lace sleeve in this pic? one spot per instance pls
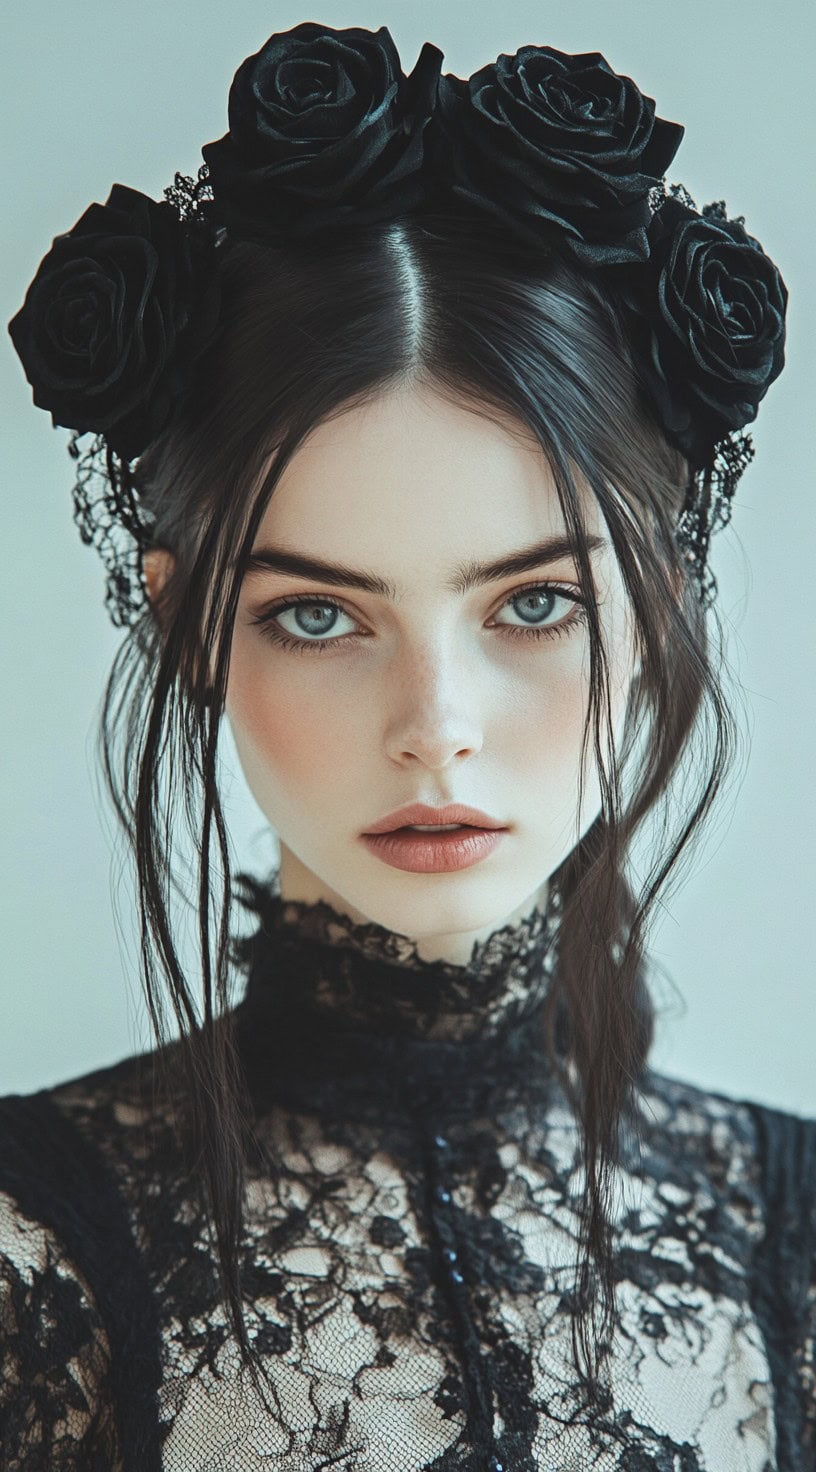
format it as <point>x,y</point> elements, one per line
<point>78,1340</point>
<point>55,1408</point>
<point>785,1277</point>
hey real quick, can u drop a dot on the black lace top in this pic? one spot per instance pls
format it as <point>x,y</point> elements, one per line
<point>408,1264</point>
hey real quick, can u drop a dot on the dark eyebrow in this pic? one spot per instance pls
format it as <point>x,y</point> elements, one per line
<point>466,576</point>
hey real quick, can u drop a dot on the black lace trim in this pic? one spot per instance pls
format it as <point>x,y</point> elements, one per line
<point>346,1017</point>
<point>360,975</point>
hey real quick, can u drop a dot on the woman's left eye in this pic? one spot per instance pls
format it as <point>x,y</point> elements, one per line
<point>535,604</point>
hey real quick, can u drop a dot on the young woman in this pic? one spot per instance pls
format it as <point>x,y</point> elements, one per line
<point>412,418</point>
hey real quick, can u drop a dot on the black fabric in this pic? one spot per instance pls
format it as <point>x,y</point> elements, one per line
<point>408,1260</point>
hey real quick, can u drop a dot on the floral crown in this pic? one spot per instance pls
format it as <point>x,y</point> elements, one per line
<point>324,127</point>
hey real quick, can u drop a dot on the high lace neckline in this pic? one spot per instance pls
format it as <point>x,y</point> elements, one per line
<point>336,1009</point>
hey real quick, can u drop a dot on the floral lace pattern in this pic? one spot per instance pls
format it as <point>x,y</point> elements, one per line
<point>408,1261</point>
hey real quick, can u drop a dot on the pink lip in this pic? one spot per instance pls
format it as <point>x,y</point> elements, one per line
<point>420,812</point>
<point>434,853</point>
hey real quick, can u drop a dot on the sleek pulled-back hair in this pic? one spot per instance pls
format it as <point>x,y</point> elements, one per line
<point>450,302</point>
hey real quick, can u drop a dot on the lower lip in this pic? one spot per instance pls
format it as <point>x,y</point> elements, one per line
<point>434,853</point>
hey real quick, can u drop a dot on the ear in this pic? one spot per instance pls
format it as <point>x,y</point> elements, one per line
<point>157,564</point>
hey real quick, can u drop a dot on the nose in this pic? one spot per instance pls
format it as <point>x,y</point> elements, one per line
<point>435,712</point>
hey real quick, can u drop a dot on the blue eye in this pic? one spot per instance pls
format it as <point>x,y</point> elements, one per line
<point>535,603</point>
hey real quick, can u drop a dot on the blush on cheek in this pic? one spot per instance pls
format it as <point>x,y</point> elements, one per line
<point>285,738</point>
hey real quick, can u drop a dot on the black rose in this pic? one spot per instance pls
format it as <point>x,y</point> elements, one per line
<point>120,307</point>
<point>547,137</point>
<point>710,323</point>
<point>322,125</point>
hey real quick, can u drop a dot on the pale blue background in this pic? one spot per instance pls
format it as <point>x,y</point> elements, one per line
<point>95,93</point>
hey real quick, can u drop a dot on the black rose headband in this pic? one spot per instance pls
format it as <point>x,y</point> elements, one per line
<point>324,127</point>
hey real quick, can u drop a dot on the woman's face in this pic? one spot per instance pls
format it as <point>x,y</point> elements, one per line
<point>441,697</point>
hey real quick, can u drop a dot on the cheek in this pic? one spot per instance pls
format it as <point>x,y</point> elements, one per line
<point>542,711</point>
<point>543,749</point>
<point>284,725</point>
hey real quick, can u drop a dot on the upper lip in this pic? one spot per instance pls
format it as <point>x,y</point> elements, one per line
<point>419,812</point>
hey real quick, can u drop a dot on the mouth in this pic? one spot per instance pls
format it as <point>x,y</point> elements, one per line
<point>434,849</point>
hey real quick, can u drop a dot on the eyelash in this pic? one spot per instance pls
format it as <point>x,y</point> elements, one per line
<point>310,646</point>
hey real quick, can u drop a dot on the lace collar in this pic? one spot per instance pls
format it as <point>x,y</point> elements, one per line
<point>330,999</point>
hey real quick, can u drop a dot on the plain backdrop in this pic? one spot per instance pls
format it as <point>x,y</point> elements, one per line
<point>94,93</point>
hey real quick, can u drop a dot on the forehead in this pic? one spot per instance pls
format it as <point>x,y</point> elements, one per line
<point>412,473</point>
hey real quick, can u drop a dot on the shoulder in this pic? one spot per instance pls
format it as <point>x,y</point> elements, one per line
<point>728,1140</point>
<point>75,1135</point>
<point>76,1157</point>
<point>781,1142</point>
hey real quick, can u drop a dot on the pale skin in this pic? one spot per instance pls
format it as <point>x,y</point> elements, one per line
<point>436,701</point>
